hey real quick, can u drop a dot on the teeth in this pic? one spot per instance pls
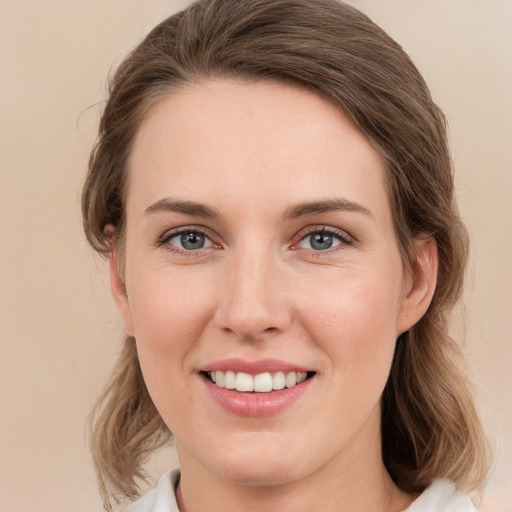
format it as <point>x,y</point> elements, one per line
<point>263,382</point>
<point>260,383</point>
<point>279,380</point>
<point>291,379</point>
<point>220,379</point>
<point>230,380</point>
<point>244,382</point>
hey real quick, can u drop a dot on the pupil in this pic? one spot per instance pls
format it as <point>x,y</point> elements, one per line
<point>321,241</point>
<point>192,240</point>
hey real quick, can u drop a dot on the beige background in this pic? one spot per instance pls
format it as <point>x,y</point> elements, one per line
<point>59,331</point>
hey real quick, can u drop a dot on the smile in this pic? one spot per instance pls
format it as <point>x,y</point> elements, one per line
<point>265,382</point>
<point>256,388</point>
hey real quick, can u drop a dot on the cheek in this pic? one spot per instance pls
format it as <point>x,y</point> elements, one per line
<point>354,323</point>
<point>169,313</point>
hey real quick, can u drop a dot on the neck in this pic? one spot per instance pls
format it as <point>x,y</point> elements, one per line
<point>355,480</point>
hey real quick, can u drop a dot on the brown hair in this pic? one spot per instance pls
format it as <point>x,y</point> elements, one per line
<point>430,427</point>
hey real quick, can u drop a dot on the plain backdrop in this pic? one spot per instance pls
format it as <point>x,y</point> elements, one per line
<point>59,330</point>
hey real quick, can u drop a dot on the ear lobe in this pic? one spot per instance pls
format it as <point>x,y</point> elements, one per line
<point>419,285</point>
<point>119,294</point>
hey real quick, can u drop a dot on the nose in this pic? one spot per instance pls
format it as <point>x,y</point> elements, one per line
<point>252,301</point>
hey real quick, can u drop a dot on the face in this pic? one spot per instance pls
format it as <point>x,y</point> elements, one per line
<point>260,254</point>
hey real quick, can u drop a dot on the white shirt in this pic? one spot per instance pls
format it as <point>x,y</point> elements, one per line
<point>440,496</point>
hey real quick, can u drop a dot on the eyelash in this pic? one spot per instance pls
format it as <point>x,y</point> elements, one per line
<point>344,238</point>
<point>169,235</point>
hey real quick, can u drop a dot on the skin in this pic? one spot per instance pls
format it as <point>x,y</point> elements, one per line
<point>258,289</point>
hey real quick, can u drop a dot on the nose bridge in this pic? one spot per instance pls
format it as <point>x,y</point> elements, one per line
<point>252,299</point>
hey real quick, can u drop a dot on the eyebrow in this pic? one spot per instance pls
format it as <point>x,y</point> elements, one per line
<point>295,211</point>
<point>192,208</point>
<point>324,206</point>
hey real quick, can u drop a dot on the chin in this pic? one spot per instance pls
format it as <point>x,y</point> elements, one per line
<point>262,464</point>
<point>266,474</point>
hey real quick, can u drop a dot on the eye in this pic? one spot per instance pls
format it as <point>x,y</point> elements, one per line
<point>323,239</point>
<point>189,240</point>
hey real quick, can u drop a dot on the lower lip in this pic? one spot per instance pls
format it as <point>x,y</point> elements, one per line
<point>256,404</point>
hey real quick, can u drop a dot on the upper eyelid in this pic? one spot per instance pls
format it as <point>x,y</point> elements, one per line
<point>345,238</point>
<point>171,233</point>
<point>309,230</point>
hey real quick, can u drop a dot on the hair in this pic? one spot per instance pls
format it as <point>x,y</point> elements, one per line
<point>430,427</point>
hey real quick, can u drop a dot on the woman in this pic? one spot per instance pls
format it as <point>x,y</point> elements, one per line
<point>273,187</point>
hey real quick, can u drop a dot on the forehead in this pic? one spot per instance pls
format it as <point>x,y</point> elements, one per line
<point>259,140</point>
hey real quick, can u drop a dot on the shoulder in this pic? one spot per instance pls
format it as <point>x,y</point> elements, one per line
<point>441,496</point>
<point>160,499</point>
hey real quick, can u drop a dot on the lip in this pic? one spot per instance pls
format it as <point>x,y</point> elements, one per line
<point>253,367</point>
<point>255,404</point>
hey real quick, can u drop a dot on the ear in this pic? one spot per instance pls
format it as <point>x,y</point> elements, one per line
<point>419,284</point>
<point>118,289</point>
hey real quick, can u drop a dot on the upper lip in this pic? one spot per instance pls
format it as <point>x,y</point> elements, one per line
<point>253,367</point>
